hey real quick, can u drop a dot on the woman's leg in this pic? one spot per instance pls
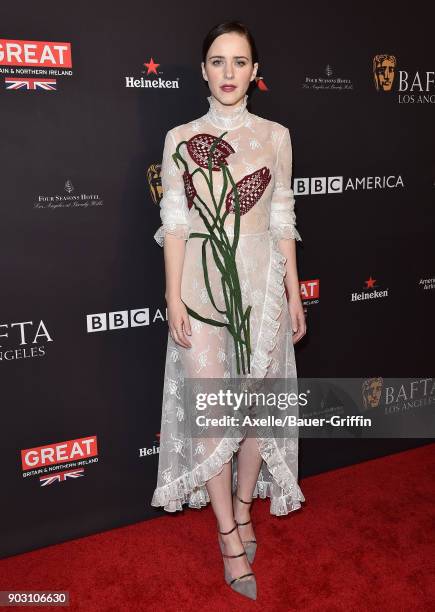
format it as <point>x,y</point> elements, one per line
<point>248,467</point>
<point>219,490</point>
<point>204,360</point>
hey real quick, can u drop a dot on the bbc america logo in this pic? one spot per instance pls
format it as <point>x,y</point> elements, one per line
<point>120,319</point>
<point>318,185</point>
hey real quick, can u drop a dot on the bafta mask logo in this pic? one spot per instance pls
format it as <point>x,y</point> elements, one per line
<point>371,392</point>
<point>155,182</point>
<point>384,66</point>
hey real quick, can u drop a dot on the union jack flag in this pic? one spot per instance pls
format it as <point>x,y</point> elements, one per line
<point>45,84</point>
<point>61,477</point>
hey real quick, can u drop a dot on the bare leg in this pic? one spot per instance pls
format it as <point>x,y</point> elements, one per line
<point>219,490</point>
<point>201,361</point>
<point>248,466</point>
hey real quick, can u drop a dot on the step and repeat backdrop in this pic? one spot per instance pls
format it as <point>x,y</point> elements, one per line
<point>87,94</point>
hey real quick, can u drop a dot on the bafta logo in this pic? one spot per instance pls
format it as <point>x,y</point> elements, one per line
<point>155,182</point>
<point>371,392</point>
<point>384,66</point>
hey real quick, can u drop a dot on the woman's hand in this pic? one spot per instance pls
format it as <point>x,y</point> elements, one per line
<point>178,322</point>
<point>297,316</point>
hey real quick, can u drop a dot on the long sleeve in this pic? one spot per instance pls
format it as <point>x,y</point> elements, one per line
<point>282,215</point>
<point>174,211</point>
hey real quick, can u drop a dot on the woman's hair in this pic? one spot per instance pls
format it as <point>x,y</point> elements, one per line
<point>225,28</point>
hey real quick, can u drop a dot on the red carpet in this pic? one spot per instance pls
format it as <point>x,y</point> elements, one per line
<point>364,540</point>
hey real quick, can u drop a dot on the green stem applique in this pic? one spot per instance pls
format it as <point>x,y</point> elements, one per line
<point>224,255</point>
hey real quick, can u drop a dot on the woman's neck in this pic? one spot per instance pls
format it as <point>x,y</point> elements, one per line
<point>228,116</point>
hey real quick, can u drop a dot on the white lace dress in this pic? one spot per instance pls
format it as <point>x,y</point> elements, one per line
<point>244,192</point>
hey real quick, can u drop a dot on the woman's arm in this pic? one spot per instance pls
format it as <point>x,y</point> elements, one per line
<point>283,228</point>
<point>174,251</point>
<point>171,235</point>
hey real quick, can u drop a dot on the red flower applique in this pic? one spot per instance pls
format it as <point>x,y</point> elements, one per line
<point>250,189</point>
<point>189,188</point>
<point>199,149</point>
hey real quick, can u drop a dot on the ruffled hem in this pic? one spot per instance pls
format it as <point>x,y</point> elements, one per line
<point>292,495</point>
<point>176,229</point>
<point>279,506</point>
<point>190,487</point>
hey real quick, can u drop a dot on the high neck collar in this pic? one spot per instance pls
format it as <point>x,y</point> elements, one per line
<point>228,117</point>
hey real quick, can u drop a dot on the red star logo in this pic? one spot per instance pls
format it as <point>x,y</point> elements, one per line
<point>152,66</point>
<point>370,283</point>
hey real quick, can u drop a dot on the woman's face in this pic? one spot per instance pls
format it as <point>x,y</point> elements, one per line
<point>229,62</point>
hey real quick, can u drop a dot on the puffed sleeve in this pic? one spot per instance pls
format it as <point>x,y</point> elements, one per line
<point>282,215</point>
<point>174,211</point>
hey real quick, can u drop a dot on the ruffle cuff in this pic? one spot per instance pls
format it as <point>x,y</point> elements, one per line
<point>176,229</point>
<point>285,231</point>
<point>283,217</point>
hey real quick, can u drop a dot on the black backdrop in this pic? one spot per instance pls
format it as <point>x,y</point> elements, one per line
<point>95,139</point>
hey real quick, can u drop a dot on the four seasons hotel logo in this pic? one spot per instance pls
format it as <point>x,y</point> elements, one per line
<point>413,87</point>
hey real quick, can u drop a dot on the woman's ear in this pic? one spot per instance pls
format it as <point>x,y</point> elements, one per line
<point>204,74</point>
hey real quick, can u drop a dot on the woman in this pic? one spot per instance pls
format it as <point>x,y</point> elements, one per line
<point>228,231</point>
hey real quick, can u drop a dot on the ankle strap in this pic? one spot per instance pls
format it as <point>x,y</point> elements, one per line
<point>241,524</point>
<point>236,556</point>
<point>228,532</point>
<point>242,500</point>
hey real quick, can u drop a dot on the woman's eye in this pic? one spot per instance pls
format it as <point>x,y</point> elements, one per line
<point>239,63</point>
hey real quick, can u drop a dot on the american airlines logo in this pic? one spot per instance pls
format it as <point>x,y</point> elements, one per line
<point>427,283</point>
<point>320,185</point>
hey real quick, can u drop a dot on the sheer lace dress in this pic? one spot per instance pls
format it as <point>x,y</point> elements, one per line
<point>258,154</point>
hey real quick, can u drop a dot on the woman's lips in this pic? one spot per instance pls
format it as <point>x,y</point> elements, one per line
<point>228,87</point>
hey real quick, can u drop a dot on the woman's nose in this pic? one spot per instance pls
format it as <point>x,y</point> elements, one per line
<point>228,72</point>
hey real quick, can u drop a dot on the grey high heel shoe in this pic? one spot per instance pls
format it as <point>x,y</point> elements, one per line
<point>248,588</point>
<point>249,545</point>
